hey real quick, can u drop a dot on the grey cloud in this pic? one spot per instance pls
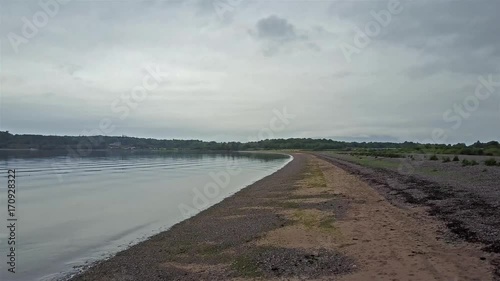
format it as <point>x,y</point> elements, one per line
<point>460,34</point>
<point>465,29</point>
<point>275,28</point>
<point>276,32</point>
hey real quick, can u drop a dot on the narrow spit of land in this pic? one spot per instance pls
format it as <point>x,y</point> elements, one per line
<point>310,220</point>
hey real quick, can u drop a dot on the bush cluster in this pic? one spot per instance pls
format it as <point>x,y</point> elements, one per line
<point>466,162</point>
<point>491,162</point>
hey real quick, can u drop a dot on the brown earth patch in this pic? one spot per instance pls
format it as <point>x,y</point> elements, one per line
<point>392,243</point>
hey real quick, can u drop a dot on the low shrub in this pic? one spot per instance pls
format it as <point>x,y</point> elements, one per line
<point>456,158</point>
<point>433,158</point>
<point>490,162</point>
<point>466,162</point>
<point>474,163</point>
<point>446,159</point>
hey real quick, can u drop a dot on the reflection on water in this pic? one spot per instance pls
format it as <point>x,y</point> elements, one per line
<point>72,210</point>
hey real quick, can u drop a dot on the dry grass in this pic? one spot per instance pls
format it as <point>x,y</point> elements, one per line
<point>313,177</point>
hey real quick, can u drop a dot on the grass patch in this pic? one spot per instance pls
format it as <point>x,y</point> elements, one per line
<point>369,161</point>
<point>432,171</point>
<point>209,250</point>
<point>307,219</point>
<point>246,266</point>
<point>377,163</point>
<point>467,162</point>
<point>314,177</point>
<point>181,248</point>
<point>378,153</point>
<point>490,162</point>
<point>327,223</point>
<point>315,196</point>
<point>312,220</point>
<point>290,205</point>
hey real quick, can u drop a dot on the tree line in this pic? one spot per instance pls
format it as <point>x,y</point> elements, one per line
<point>43,142</point>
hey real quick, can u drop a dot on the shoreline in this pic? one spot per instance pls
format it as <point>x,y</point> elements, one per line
<point>83,270</point>
<point>309,220</point>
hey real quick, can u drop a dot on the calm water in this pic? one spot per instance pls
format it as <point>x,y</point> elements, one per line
<point>71,211</point>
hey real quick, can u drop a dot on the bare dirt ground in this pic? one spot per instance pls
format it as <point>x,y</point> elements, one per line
<point>392,243</point>
<point>469,209</point>
<point>309,221</point>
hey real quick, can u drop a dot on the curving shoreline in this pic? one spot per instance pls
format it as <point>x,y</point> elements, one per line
<point>137,259</point>
<point>309,220</point>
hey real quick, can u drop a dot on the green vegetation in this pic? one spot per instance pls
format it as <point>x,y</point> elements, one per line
<point>377,153</point>
<point>377,163</point>
<point>309,220</point>
<point>433,157</point>
<point>456,158</point>
<point>246,266</point>
<point>490,162</point>
<point>376,149</point>
<point>466,162</point>
<point>399,150</point>
<point>313,220</point>
<point>209,250</point>
<point>446,159</point>
<point>327,223</point>
<point>290,205</point>
<point>314,177</point>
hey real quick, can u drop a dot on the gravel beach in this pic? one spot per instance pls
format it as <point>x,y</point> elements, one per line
<point>310,220</point>
<point>208,245</point>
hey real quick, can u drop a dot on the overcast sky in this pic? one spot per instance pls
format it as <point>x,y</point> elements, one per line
<point>228,69</point>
